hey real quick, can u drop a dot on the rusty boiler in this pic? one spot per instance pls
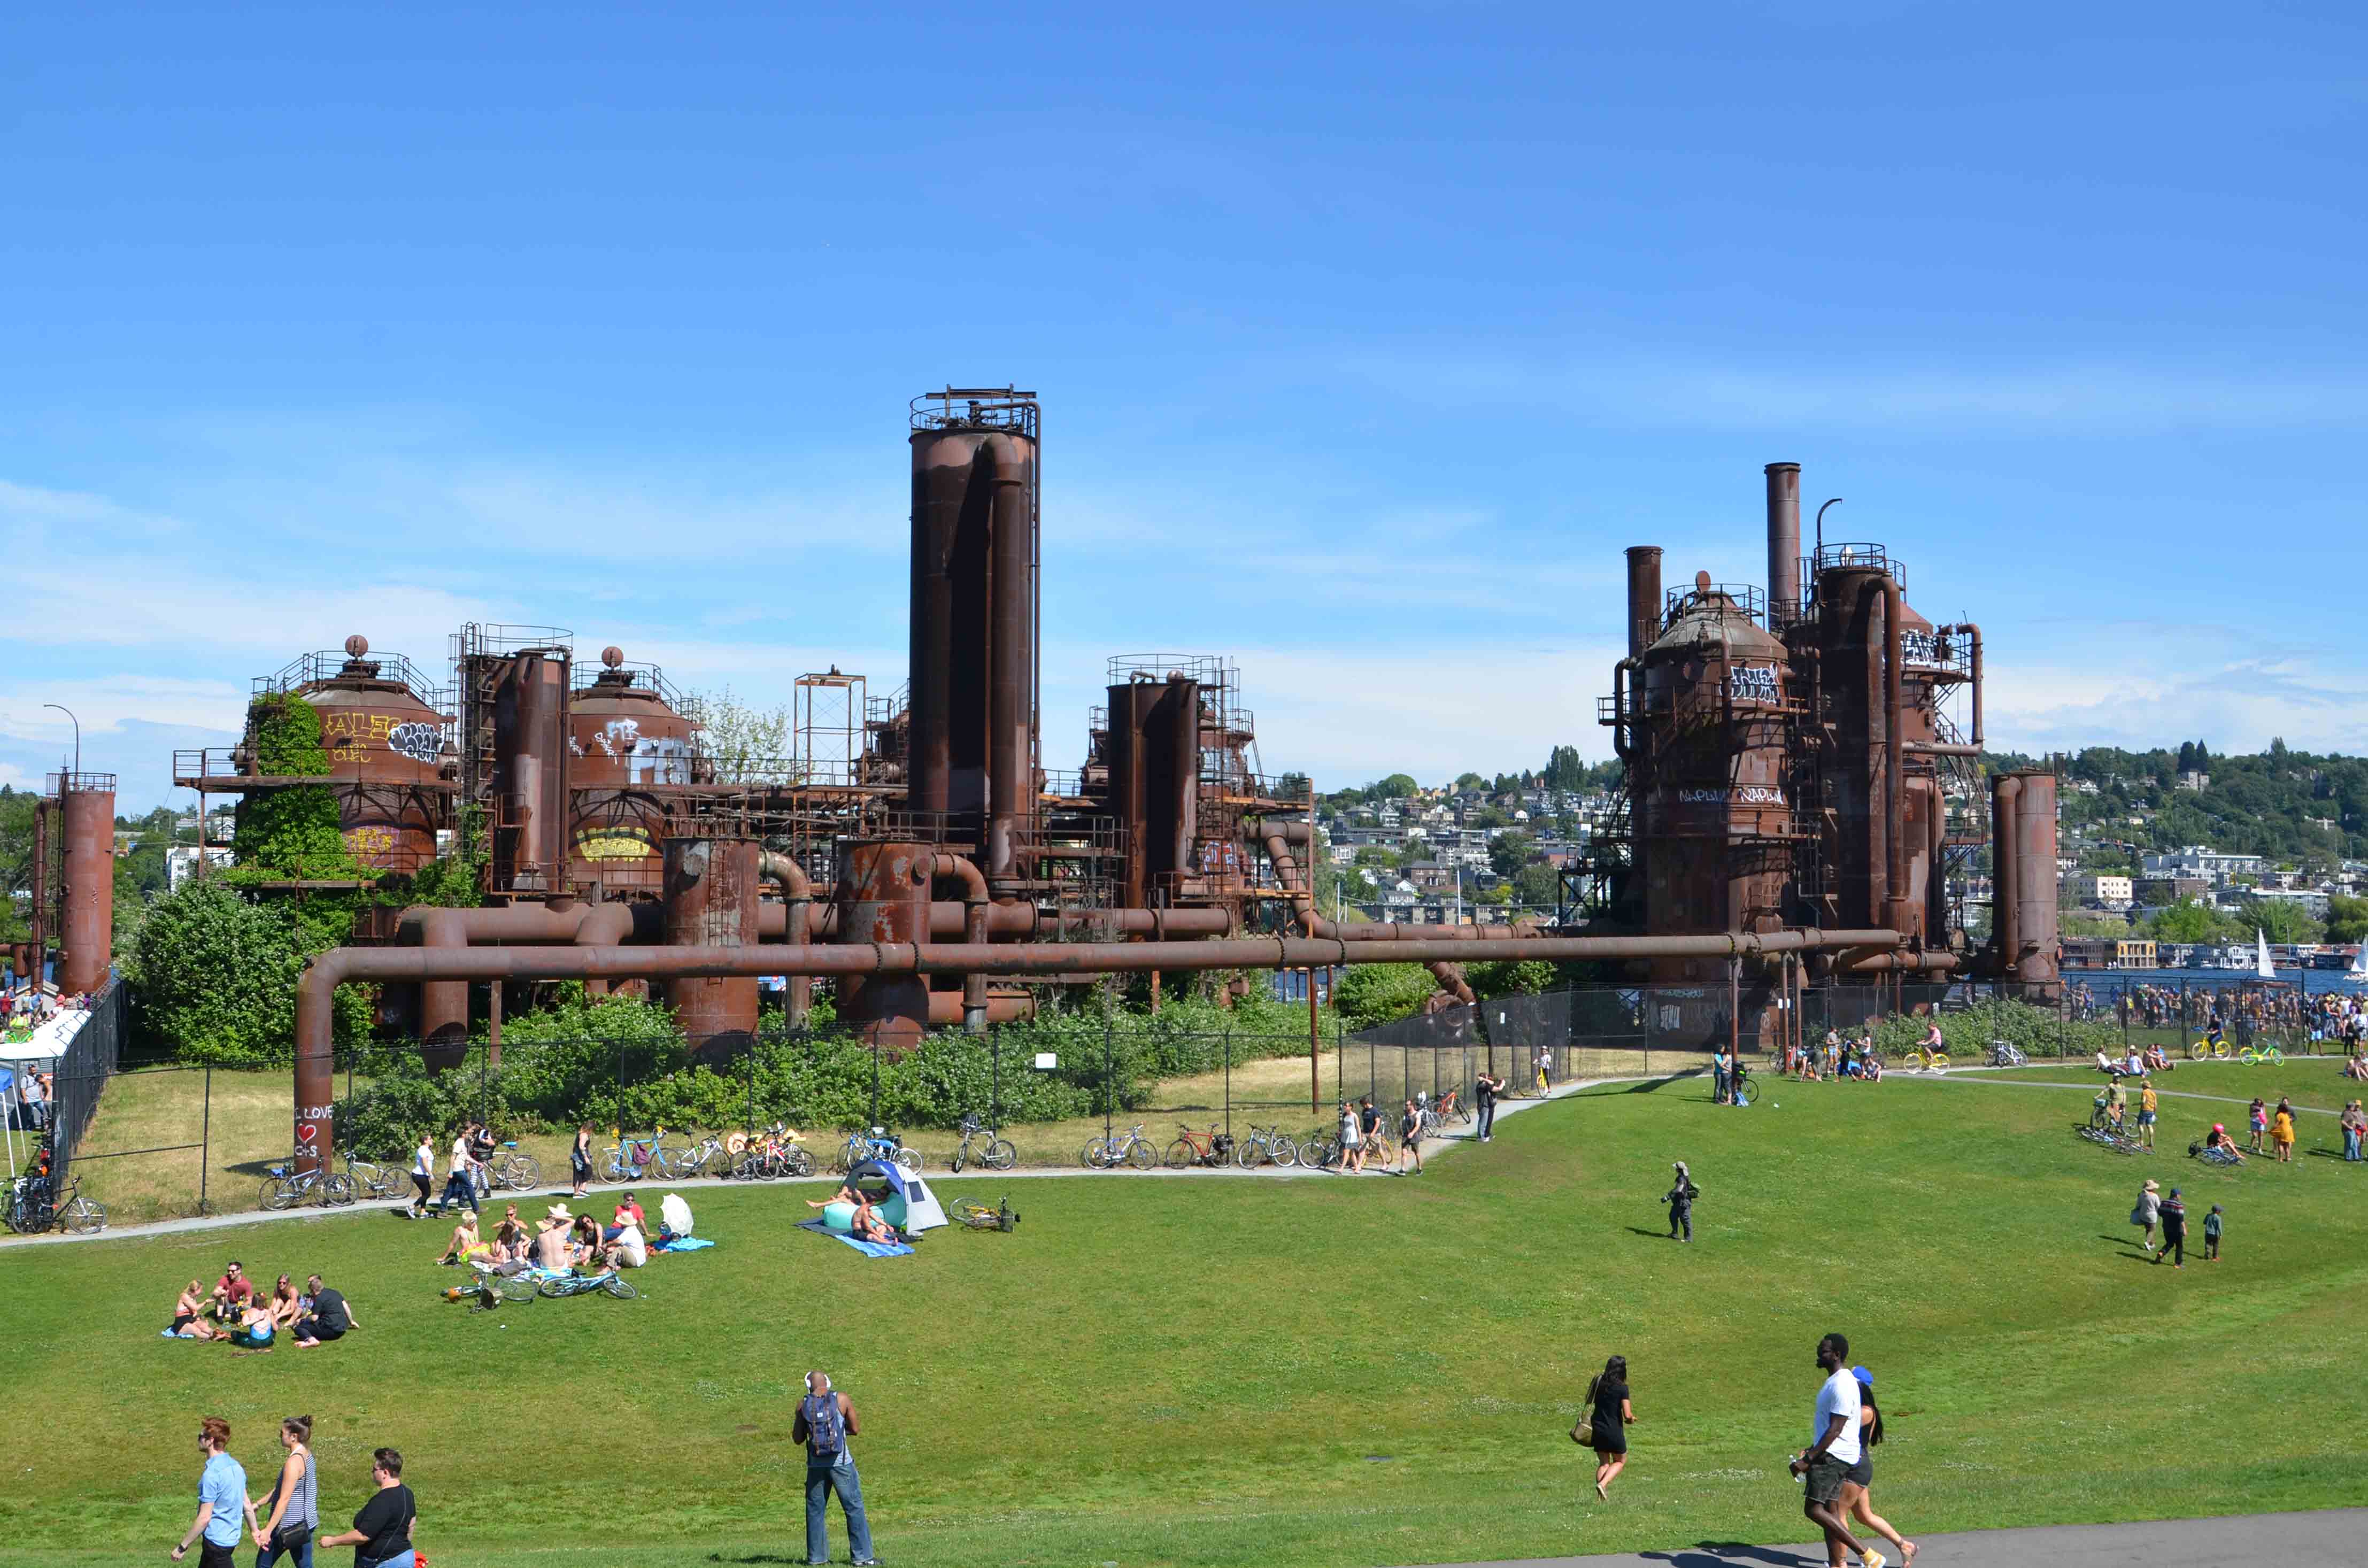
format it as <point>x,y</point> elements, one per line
<point>389,763</point>
<point>628,754</point>
<point>710,895</point>
<point>883,896</point>
<point>86,811</point>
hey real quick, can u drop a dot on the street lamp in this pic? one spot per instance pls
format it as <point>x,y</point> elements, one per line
<point>78,725</point>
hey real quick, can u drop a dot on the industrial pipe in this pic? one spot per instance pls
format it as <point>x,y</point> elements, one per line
<point>316,1078</point>
<point>974,881</point>
<point>2006,916</point>
<point>1895,840</point>
<point>1899,963</point>
<point>1973,634</point>
<point>797,922</point>
<point>1010,598</point>
<point>1783,544</point>
<point>1622,744</point>
<point>1644,597</point>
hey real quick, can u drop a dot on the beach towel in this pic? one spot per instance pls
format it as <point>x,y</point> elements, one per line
<point>681,1243</point>
<point>868,1249</point>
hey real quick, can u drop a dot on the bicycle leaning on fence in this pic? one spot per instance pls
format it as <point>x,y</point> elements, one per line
<point>1190,1148</point>
<point>878,1145</point>
<point>285,1186</point>
<point>981,1145</point>
<point>1110,1151</point>
<point>637,1160</point>
<point>33,1209</point>
<point>1264,1145</point>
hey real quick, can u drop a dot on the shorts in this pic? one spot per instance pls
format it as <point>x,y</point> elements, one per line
<point>182,1321</point>
<point>1826,1478</point>
<point>1414,1140</point>
<point>2145,1118</point>
<point>314,1330</point>
<point>1862,1472</point>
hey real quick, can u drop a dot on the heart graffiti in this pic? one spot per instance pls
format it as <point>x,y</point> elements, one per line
<point>306,1132</point>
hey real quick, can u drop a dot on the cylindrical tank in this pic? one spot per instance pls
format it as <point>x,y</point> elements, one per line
<point>883,896</point>
<point>1153,760</point>
<point>1858,833</point>
<point>971,702</point>
<point>1644,597</point>
<point>711,901</point>
<point>627,751</point>
<point>2038,962</point>
<point>1711,812</point>
<point>86,802</point>
<point>530,772</point>
<point>387,757</point>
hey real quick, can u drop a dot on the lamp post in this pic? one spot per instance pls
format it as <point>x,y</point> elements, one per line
<point>78,725</point>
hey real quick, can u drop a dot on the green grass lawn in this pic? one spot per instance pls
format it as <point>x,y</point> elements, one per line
<point>1320,1372</point>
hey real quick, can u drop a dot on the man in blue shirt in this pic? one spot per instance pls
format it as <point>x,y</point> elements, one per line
<point>222,1499</point>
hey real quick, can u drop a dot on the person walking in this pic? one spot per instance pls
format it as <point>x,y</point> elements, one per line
<point>289,1515</point>
<point>2174,1230</point>
<point>825,1421</point>
<point>1484,1090</point>
<point>2146,1105</point>
<point>1680,1200</point>
<point>1835,1452</point>
<point>381,1534</point>
<point>579,1161</point>
<point>221,1500</point>
<point>423,1176</point>
<point>2282,1131</point>
<point>1610,1415</point>
<point>1856,1501</point>
<point>2354,1122</point>
<point>2257,1117</point>
<point>1545,1071</point>
<point>1410,1138</point>
<point>459,1184</point>
<point>2148,1214</point>
<point>2211,1235</point>
<point>1352,1140</point>
<point>1369,1128</point>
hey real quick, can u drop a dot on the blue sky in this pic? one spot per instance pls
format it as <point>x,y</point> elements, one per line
<point>1367,338</point>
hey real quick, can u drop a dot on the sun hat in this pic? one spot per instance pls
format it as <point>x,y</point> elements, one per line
<point>557,1211</point>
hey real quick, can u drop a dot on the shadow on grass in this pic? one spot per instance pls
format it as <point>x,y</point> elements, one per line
<point>1656,1235</point>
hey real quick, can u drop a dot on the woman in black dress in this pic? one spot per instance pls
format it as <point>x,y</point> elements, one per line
<point>1613,1415</point>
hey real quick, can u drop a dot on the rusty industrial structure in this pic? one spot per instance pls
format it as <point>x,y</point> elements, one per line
<point>73,905</point>
<point>1798,792</point>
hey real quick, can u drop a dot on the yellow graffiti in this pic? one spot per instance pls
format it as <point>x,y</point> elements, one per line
<point>369,843</point>
<point>613,844</point>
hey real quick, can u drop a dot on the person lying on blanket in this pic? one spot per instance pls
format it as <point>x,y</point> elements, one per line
<point>843,1194</point>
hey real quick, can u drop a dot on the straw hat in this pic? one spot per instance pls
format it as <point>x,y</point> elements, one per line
<point>558,1212</point>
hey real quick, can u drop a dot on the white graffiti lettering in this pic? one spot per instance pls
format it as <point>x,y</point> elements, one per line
<point>421,742</point>
<point>1753,683</point>
<point>616,738</point>
<point>1919,647</point>
<point>659,760</point>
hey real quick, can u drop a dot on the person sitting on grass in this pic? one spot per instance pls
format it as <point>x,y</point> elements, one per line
<point>329,1318</point>
<point>583,1240</point>
<point>2107,1065</point>
<point>628,1248</point>
<point>2357,1067</point>
<point>629,1213</point>
<point>870,1225</point>
<point>511,1244</point>
<point>2157,1060</point>
<point>466,1244</point>
<point>284,1306</point>
<point>254,1329</point>
<point>189,1313</point>
<point>232,1293</point>
<point>2220,1141</point>
<point>550,1239</point>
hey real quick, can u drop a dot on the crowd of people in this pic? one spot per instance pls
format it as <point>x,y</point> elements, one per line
<point>560,1241</point>
<point>286,1520</point>
<point>234,1314</point>
<point>2238,1012</point>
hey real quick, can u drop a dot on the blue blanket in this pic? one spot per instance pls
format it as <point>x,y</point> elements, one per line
<point>868,1249</point>
<point>681,1243</point>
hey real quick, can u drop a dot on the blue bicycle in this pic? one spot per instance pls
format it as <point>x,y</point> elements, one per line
<point>878,1145</point>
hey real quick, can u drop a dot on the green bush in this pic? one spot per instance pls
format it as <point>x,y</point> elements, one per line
<point>214,978</point>
<point>2036,1031</point>
<point>1377,993</point>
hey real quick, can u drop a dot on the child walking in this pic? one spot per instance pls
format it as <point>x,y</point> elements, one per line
<point>2211,1235</point>
<point>2258,1118</point>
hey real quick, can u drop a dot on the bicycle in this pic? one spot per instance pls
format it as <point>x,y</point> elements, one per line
<point>1319,1149</point>
<point>2207,1050</point>
<point>2005,1055</point>
<point>2113,1138</point>
<point>1110,1153</point>
<point>513,1170</point>
<point>995,1155</point>
<point>2212,1156</point>
<point>1934,1059</point>
<point>1745,1089</point>
<point>2261,1056</point>
<point>979,1217</point>
<point>1190,1148</point>
<point>494,1289</point>
<point>633,1161</point>
<point>706,1157</point>
<point>32,1209</point>
<point>879,1145</point>
<point>285,1186</point>
<point>1263,1144</point>
<point>774,1153</point>
<point>608,1279</point>
<point>372,1179</point>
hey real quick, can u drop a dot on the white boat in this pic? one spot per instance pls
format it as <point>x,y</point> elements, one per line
<point>2358,973</point>
<point>2261,965</point>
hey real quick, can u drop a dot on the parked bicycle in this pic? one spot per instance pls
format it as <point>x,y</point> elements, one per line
<point>980,1143</point>
<point>1745,1088</point>
<point>1201,1149</point>
<point>878,1145</point>
<point>1452,1107</point>
<point>32,1209</point>
<point>285,1186</point>
<point>636,1160</point>
<point>706,1157</point>
<point>2261,1056</point>
<point>372,1179</point>
<point>514,1169</point>
<point>774,1153</point>
<point>1110,1153</point>
<point>1319,1149</point>
<point>1264,1145</point>
<point>2003,1054</point>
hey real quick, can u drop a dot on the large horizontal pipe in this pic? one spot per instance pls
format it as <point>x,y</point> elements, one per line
<point>1938,748</point>
<point>1895,962</point>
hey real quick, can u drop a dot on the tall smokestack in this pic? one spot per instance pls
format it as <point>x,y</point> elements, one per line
<point>1644,597</point>
<point>1783,543</point>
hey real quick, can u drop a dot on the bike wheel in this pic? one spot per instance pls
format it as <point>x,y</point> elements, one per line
<point>1096,1156</point>
<point>524,1172</point>
<point>999,1156</point>
<point>1140,1155</point>
<point>517,1291</point>
<point>272,1194</point>
<point>1179,1154</point>
<point>910,1159</point>
<point>336,1190</point>
<point>1747,1088</point>
<point>624,1289</point>
<point>1283,1151</point>
<point>962,1154</point>
<point>82,1217</point>
<point>1250,1153</point>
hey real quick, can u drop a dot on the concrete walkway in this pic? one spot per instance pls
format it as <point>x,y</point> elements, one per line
<point>2329,1539</point>
<point>548,1191</point>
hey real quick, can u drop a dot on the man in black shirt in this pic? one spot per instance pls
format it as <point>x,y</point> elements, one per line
<point>329,1318</point>
<point>1484,1090</point>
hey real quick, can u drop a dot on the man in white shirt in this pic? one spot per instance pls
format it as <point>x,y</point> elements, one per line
<point>459,1187</point>
<point>631,1249</point>
<point>1828,1464</point>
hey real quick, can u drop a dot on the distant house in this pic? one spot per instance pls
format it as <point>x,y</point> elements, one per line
<point>1431,875</point>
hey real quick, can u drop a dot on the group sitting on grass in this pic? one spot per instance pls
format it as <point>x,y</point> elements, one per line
<point>234,1314</point>
<point>560,1240</point>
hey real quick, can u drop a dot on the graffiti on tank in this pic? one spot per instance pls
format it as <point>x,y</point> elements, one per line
<point>659,759</point>
<point>1741,795</point>
<point>420,742</point>
<point>617,737</point>
<point>614,844</point>
<point>1920,648</point>
<point>369,843</point>
<point>1753,683</point>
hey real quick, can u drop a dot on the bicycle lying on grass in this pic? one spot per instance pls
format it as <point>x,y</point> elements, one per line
<point>2112,1137</point>
<point>979,1217</point>
<point>607,1281</point>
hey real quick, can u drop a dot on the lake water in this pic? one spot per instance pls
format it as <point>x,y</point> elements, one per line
<point>2106,981</point>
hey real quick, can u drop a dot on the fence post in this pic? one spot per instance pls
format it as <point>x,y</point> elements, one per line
<point>875,1083</point>
<point>994,1062</point>
<point>1109,1074</point>
<point>1229,1076</point>
<point>206,1138</point>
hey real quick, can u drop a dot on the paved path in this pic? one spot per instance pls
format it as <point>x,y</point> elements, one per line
<point>2330,1539</point>
<point>551,1191</point>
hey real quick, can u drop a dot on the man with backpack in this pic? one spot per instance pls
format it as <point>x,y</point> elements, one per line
<point>825,1421</point>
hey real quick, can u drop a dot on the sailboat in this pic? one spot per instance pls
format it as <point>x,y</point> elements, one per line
<point>2358,973</point>
<point>2261,965</point>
